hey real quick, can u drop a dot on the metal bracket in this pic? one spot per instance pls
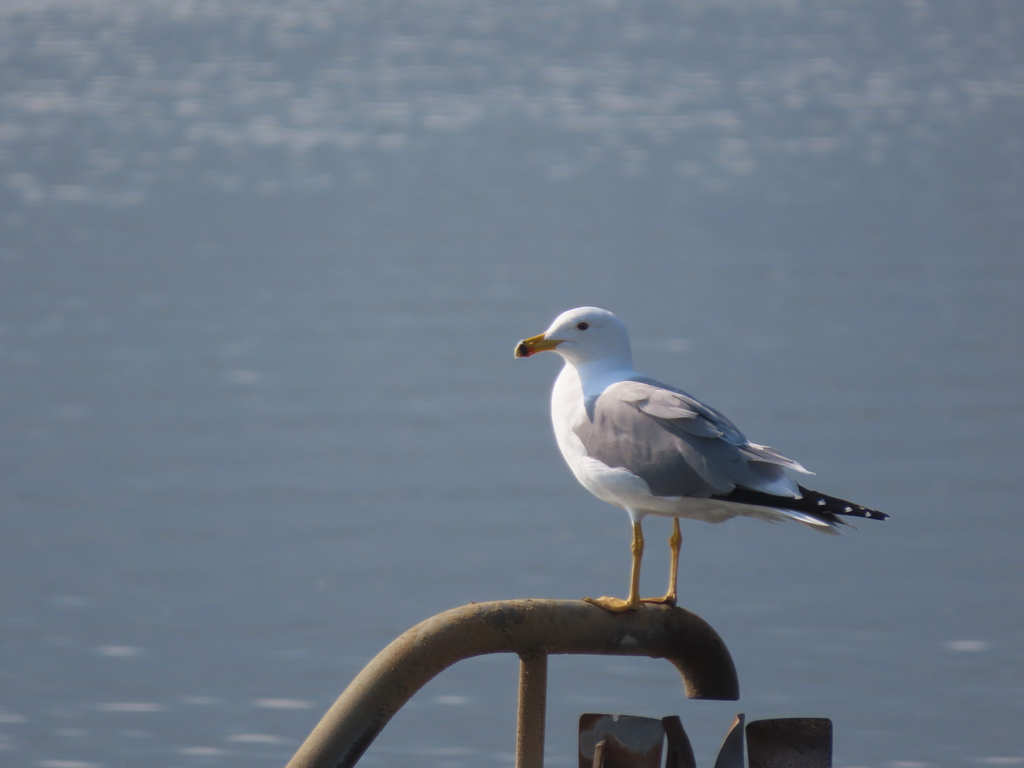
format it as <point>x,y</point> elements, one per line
<point>627,741</point>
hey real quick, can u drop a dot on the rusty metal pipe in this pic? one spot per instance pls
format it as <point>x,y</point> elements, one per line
<point>512,626</point>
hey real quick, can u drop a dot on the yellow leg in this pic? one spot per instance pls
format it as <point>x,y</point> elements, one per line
<point>674,542</point>
<point>616,604</point>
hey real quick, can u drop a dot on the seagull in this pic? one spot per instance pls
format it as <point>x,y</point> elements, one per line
<point>652,449</point>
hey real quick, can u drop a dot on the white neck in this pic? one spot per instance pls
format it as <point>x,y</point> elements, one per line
<point>597,375</point>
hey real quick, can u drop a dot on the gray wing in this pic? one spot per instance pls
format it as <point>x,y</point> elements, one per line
<point>678,445</point>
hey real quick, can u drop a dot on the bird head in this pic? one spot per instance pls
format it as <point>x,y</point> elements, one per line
<point>582,335</point>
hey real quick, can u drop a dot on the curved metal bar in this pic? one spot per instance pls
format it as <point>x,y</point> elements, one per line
<point>512,626</point>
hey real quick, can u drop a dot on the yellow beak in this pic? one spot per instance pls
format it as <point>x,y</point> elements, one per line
<point>535,344</point>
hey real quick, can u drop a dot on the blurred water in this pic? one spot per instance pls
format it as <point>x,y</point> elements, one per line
<point>262,269</point>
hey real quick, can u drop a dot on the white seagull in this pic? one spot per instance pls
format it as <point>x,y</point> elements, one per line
<point>652,449</point>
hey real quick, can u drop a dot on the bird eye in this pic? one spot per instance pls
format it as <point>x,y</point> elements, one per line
<point>583,326</point>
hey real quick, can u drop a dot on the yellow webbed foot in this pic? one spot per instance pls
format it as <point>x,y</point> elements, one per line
<point>613,604</point>
<point>669,599</point>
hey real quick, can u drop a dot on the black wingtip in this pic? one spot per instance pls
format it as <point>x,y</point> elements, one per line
<point>822,502</point>
<point>811,502</point>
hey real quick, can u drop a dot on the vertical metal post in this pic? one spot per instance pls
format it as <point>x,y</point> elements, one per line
<point>533,692</point>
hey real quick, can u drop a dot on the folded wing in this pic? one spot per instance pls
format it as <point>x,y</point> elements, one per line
<point>678,445</point>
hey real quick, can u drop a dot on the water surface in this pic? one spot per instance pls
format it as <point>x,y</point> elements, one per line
<point>263,268</point>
